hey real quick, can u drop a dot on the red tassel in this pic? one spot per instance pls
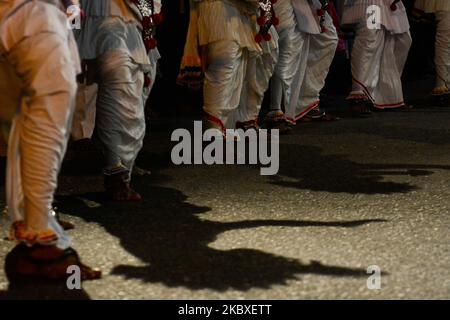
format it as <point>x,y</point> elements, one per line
<point>259,38</point>
<point>261,20</point>
<point>146,22</point>
<point>275,21</point>
<point>158,19</point>
<point>267,37</point>
<point>150,44</point>
<point>147,81</point>
<point>394,7</point>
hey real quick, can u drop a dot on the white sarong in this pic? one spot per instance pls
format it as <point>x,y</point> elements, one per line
<point>40,61</point>
<point>317,53</point>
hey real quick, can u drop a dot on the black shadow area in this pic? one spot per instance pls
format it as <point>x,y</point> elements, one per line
<point>306,167</point>
<point>166,233</point>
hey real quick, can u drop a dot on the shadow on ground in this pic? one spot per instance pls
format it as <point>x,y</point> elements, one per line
<point>165,232</point>
<point>306,167</point>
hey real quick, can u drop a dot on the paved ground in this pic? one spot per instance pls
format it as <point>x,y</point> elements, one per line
<point>349,194</point>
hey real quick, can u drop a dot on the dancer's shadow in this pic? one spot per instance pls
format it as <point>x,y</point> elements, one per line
<point>165,232</point>
<point>306,167</point>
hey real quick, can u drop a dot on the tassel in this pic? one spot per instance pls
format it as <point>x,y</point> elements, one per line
<point>321,15</point>
<point>150,20</point>
<point>147,81</point>
<point>266,20</point>
<point>394,5</point>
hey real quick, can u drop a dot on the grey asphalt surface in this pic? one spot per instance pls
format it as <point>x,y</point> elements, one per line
<point>349,194</point>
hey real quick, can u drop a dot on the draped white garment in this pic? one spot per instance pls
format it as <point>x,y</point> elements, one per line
<point>306,14</point>
<point>378,59</point>
<point>39,61</point>
<point>239,69</point>
<point>114,25</point>
<point>316,55</point>
<point>355,12</point>
<point>290,50</point>
<point>111,34</point>
<point>221,20</point>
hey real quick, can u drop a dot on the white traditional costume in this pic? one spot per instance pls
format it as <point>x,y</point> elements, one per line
<point>308,41</point>
<point>123,65</point>
<point>380,50</point>
<point>38,67</point>
<point>290,49</point>
<point>237,67</point>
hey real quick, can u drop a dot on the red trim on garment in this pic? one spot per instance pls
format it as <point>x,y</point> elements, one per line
<point>215,120</point>
<point>290,120</point>
<point>387,106</point>
<point>364,89</point>
<point>376,105</point>
<point>304,112</point>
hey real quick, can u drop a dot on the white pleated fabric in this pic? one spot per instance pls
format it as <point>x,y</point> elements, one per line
<point>238,69</point>
<point>111,38</point>
<point>220,20</point>
<point>306,13</point>
<point>224,78</point>
<point>120,108</point>
<point>43,56</point>
<point>289,58</point>
<point>114,25</point>
<point>442,58</point>
<point>317,53</point>
<point>235,82</point>
<point>116,8</point>
<point>83,124</point>
<point>395,21</point>
<point>378,59</point>
<point>431,6</point>
<point>258,72</point>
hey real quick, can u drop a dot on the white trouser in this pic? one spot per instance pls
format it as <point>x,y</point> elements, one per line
<point>259,71</point>
<point>290,44</point>
<point>40,53</point>
<point>224,78</point>
<point>317,53</point>
<point>378,59</point>
<point>443,49</point>
<point>236,80</point>
<point>85,112</point>
<point>120,108</point>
